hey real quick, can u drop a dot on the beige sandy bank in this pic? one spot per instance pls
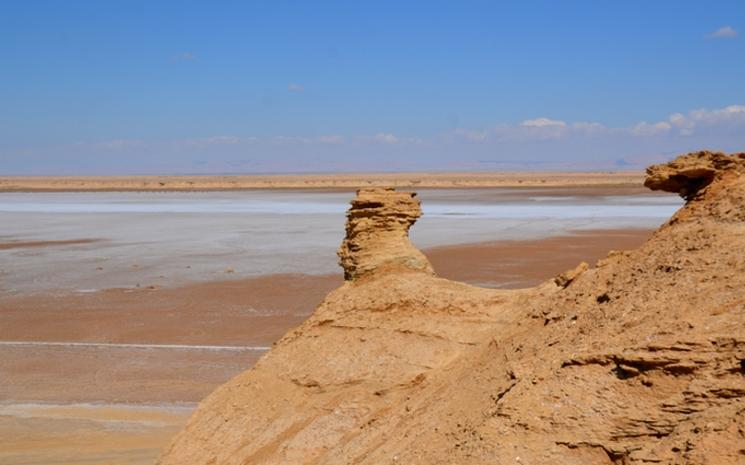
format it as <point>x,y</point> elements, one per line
<point>316,181</point>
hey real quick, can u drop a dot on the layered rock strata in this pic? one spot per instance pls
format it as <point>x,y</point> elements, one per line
<point>638,360</point>
<point>377,233</point>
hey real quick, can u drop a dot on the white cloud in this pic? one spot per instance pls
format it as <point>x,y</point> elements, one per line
<point>684,125</point>
<point>650,129</point>
<point>688,124</point>
<point>223,140</point>
<point>297,88</point>
<point>290,139</point>
<point>721,115</point>
<point>385,138</point>
<point>538,128</point>
<point>533,144</point>
<point>587,126</point>
<point>678,119</point>
<point>331,139</point>
<point>471,134</point>
<point>543,123</point>
<point>718,127</point>
<point>724,32</point>
<point>545,128</point>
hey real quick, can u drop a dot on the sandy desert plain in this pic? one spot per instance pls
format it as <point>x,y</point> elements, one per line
<point>124,301</point>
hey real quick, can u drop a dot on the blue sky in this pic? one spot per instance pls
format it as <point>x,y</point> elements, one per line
<point>216,87</point>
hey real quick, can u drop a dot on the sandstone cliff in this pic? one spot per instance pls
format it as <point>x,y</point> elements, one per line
<point>640,359</point>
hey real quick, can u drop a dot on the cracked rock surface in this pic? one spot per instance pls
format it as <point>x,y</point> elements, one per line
<point>637,360</point>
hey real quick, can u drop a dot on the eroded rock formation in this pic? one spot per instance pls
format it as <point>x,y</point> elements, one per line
<point>689,174</point>
<point>638,360</point>
<point>378,233</point>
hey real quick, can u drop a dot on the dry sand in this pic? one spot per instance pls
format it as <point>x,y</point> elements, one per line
<point>315,181</point>
<point>91,434</point>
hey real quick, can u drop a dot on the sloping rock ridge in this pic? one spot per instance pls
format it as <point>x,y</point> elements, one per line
<point>637,360</point>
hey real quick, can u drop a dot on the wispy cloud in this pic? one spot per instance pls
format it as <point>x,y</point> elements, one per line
<point>222,140</point>
<point>331,139</point>
<point>535,143</point>
<point>472,135</point>
<point>677,124</point>
<point>543,123</point>
<point>724,32</point>
<point>650,129</point>
<point>687,124</point>
<point>588,127</point>
<point>289,140</point>
<point>297,88</point>
<point>386,138</point>
<point>726,114</point>
<point>538,128</point>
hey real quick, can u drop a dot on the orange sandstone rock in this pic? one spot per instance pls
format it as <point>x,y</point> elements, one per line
<point>638,361</point>
<point>378,233</point>
<point>688,174</point>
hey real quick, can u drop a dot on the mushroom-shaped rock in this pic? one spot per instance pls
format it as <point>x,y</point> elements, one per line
<point>377,234</point>
<point>688,174</point>
<point>712,183</point>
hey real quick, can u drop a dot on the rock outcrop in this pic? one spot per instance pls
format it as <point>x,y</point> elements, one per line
<point>638,360</point>
<point>378,233</point>
<point>689,174</point>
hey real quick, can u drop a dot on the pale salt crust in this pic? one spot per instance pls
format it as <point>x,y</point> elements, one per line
<point>163,239</point>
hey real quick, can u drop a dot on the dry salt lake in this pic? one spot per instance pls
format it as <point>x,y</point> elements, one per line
<point>177,237</point>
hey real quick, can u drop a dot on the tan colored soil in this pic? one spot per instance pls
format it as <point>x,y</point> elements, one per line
<point>315,181</point>
<point>518,264</point>
<point>254,311</point>
<point>90,434</point>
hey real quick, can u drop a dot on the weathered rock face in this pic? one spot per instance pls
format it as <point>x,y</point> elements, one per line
<point>689,174</point>
<point>714,180</point>
<point>378,233</point>
<point>639,360</point>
